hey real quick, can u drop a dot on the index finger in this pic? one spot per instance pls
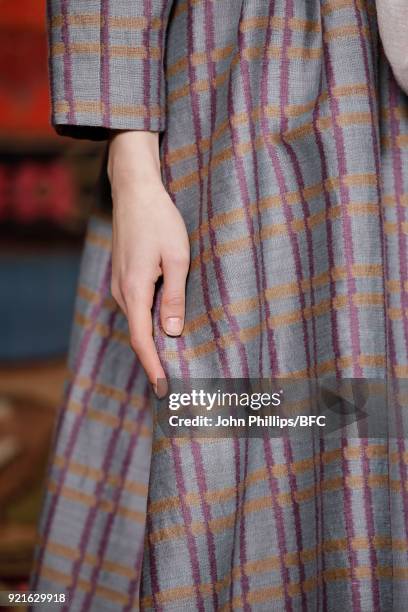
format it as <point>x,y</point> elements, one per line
<point>139,314</point>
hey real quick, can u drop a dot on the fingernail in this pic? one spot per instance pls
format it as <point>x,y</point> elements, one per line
<point>160,389</point>
<point>174,326</point>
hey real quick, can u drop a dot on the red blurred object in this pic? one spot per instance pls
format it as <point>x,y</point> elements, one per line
<point>43,191</point>
<point>32,191</point>
<point>25,14</point>
<point>24,99</point>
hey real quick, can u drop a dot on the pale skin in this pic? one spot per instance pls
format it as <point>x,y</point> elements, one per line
<point>149,240</point>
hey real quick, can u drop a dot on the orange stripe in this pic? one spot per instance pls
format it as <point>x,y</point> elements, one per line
<point>303,25</point>
<point>114,480</point>
<point>116,110</point>
<point>82,48</point>
<point>59,48</point>
<point>109,420</point>
<point>138,23</point>
<point>400,141</point>
<point>345,31</point>
<point>95,19</point>
<point>79,20</point>
<point>104,505</point>
<point>336,5</point>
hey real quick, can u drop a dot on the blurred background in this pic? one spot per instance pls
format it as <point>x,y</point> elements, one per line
<point>46,193</point>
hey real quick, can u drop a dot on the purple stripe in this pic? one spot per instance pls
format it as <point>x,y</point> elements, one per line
<point>295,247</point>
<point>216,260</point>
<point>206,511</point>
<point>334,329</point>
<point>354,324</point>
<point>368,500</point>
<point>135,584</point>
<point>333,317</point>
<point>297,519</point>
<point>68,86</point>
<point>105,67</point>
<point>186,514</point>
<point>399,190</point>
<point>204,280</point>
<point>317,512</point>
<point>280,177</point>
<point>287,40</point>
<point>261,283</point>
<point>184,365</point>
<point>374,113</point>
<point>237,463</point>
<point>345,200</point>
<point>161,39</point>
<point>154,577</point>
<point>323,553</point>
<point>368,508</point>
<point>349,520</point>
<point>103,289</point>
<point>147,6</point>
<point>239,167</point>
<point>334,324</point>
<point>329,231</point>
<point>284,99</point>
<point>245,199</point>
<point>240,170</point>
<point>279,521</point>
<point>113,443</point>
<point>242,536</point>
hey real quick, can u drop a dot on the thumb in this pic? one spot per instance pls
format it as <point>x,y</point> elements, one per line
<point>172,310</point>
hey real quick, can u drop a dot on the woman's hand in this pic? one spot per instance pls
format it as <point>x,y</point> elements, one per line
<point>149,240</point>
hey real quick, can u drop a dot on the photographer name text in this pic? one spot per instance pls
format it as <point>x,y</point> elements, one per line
<point>273,420</point>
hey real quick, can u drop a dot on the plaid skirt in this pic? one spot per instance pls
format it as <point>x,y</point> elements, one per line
<point>298,230</point>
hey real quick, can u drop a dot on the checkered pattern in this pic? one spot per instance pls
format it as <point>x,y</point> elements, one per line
<point>286,151</point>
<point>106,65</point>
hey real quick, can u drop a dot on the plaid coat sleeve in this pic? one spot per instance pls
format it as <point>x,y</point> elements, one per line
<point>106,65</point>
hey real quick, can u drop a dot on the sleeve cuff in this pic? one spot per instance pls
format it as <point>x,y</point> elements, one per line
<point>97,131</point>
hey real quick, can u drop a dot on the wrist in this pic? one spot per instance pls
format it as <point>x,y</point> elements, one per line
<point>133,156</point>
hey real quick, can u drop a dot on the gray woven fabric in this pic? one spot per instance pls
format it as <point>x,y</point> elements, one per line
<point>285,149</point>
